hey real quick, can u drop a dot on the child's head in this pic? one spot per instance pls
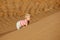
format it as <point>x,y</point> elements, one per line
<point>27,16</point>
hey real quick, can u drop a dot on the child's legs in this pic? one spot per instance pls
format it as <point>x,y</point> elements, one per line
<point>18,25</point>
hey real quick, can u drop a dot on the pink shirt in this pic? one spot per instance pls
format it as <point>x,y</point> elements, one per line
<point>23,22</point>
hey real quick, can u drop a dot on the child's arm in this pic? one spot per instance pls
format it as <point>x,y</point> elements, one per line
<point>26,24</point>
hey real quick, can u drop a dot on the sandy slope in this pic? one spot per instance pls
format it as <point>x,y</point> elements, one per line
<point>45,29</point>
<point>7,23</point>
<point>14,10</point>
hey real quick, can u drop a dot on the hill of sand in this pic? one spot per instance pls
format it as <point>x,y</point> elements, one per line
<point>47,28</point>
<point>8,24</point>
<point>13,10</point>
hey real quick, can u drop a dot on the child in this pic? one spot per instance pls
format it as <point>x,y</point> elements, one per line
<point>24,22</point>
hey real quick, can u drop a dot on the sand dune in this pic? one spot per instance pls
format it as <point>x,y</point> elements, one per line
<point>7,24</point>
<point>47,28</point>
<point>14,10</point>
<point>44,23</point>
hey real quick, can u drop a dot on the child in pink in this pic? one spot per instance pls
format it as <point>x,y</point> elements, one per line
<point>24,22</point>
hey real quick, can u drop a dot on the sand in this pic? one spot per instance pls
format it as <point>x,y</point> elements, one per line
<point>45,20</point>
<point>47,28</point>
<point>13,10</point>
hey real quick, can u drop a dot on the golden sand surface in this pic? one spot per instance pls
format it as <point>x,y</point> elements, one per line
<point>13,10</point>
<point>47,28</point>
